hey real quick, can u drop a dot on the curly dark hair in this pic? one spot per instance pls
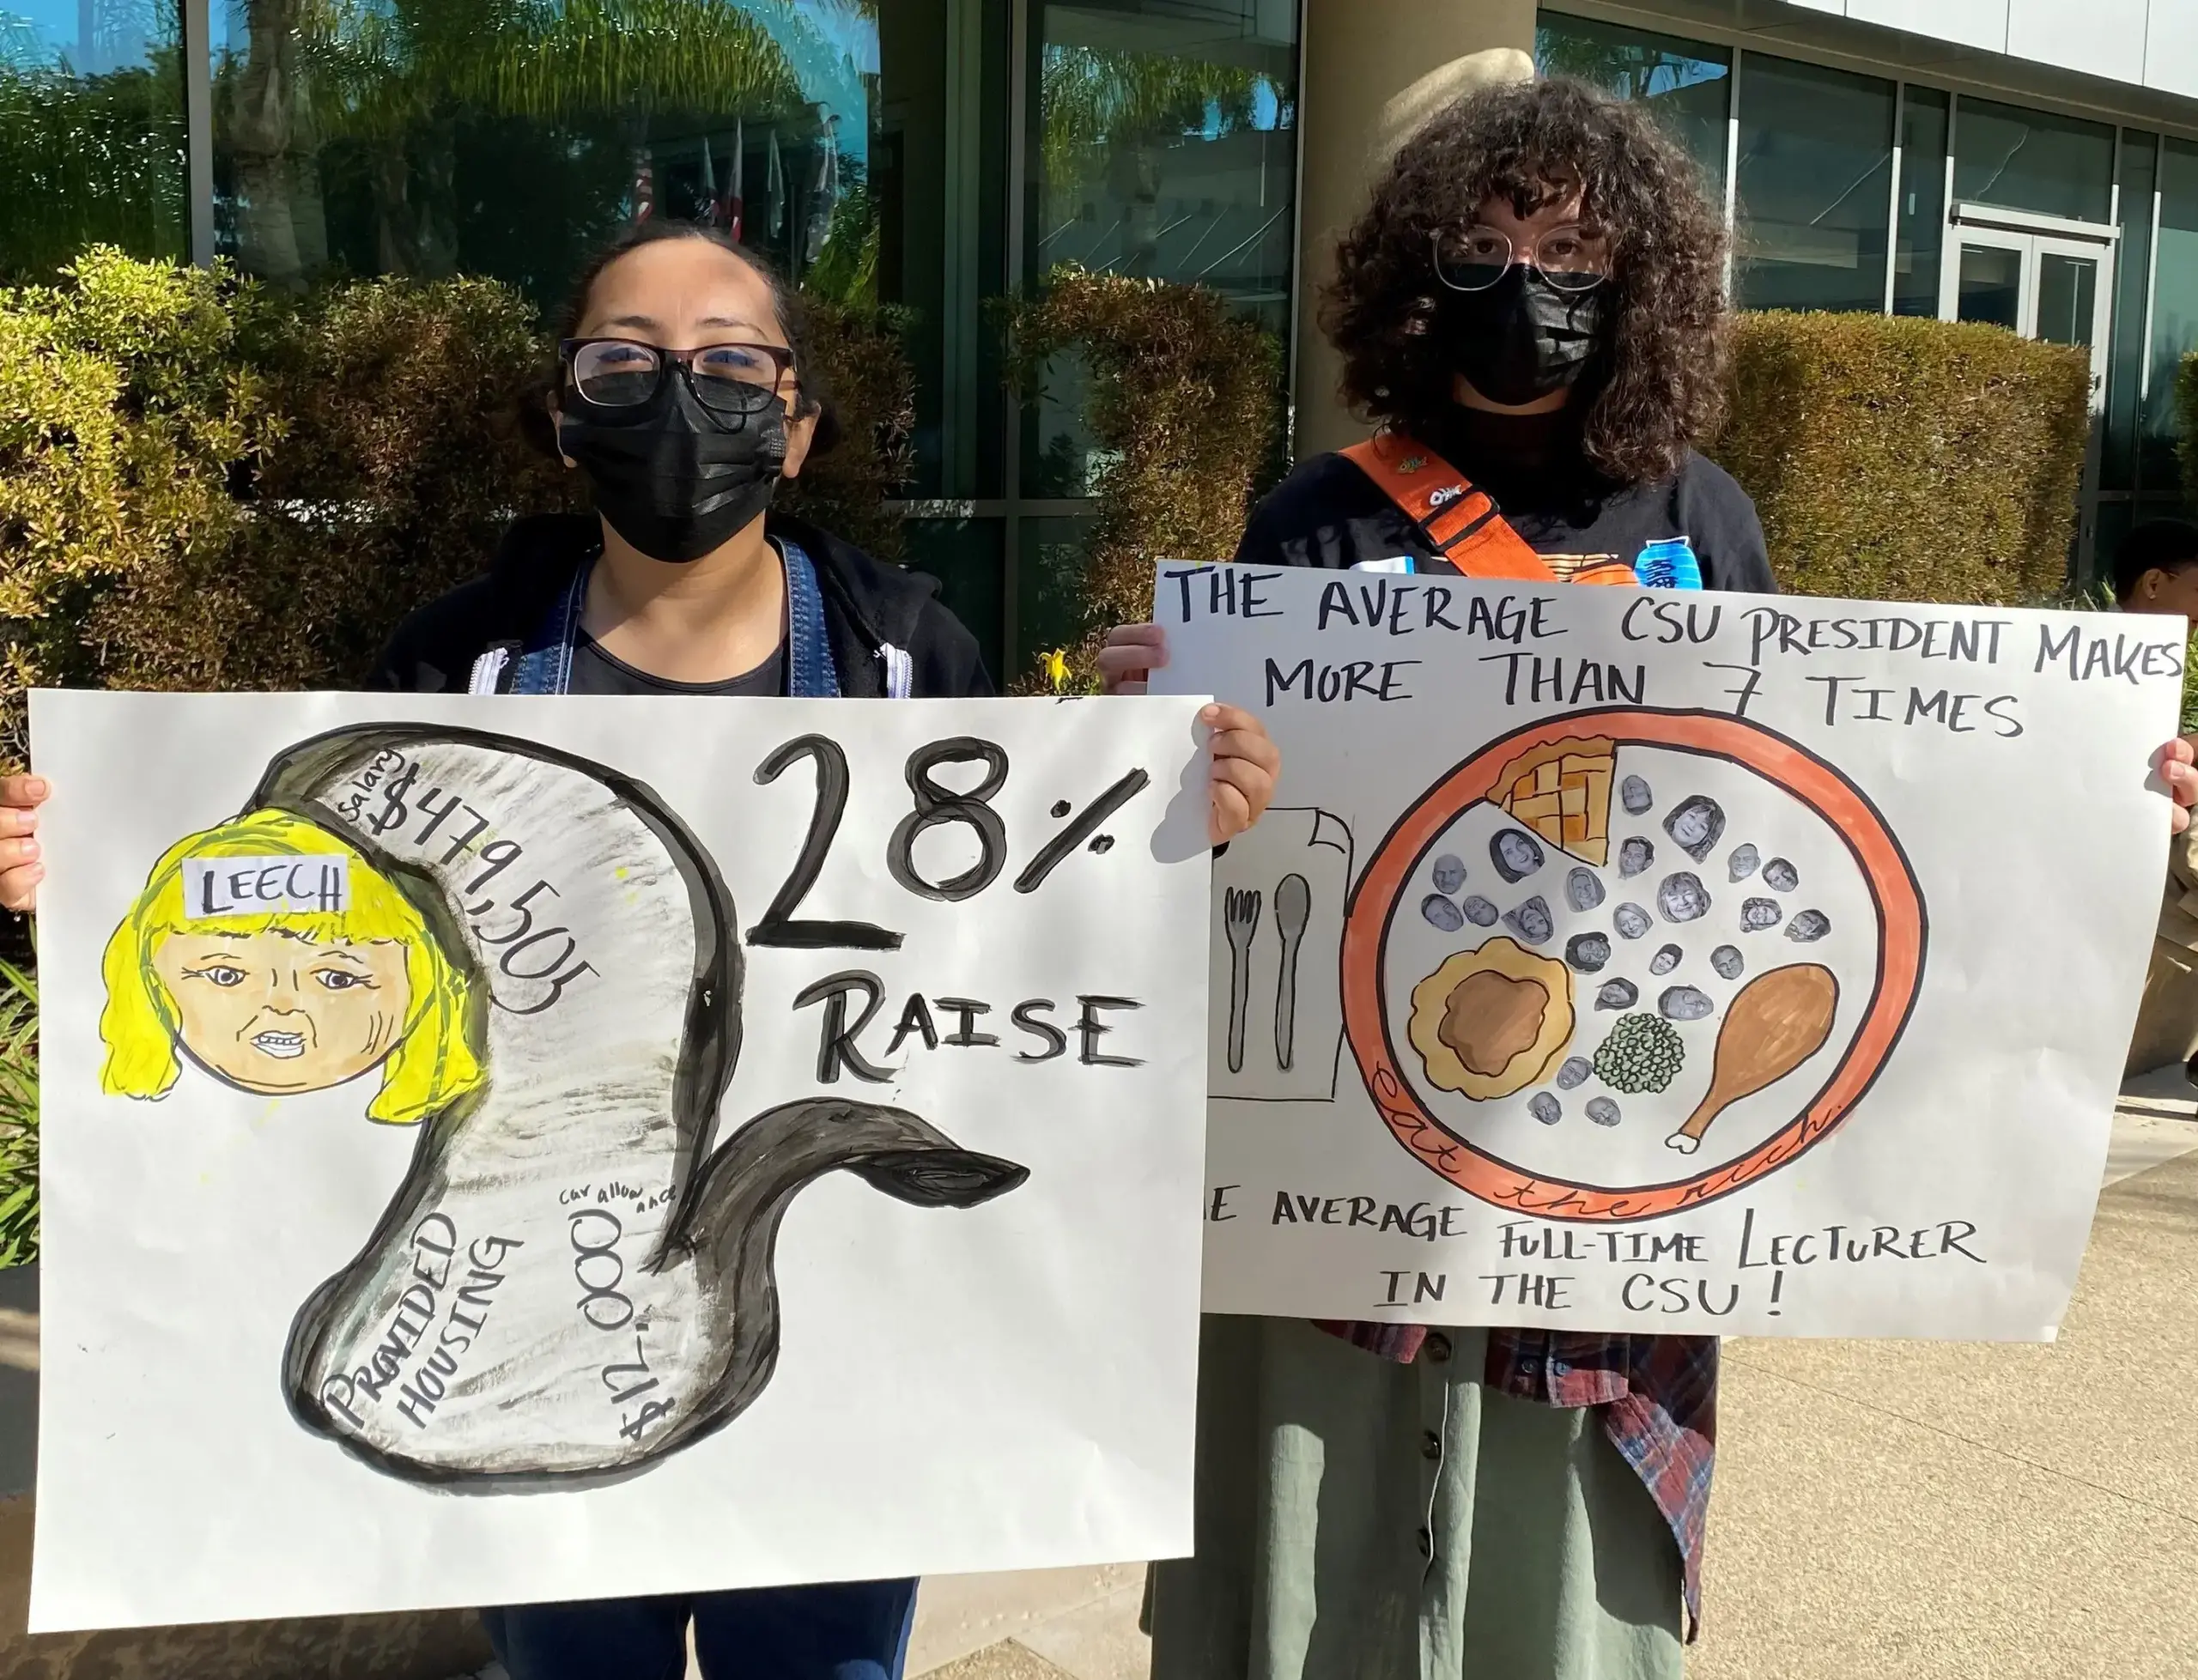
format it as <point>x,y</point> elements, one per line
<point>1656,384</point>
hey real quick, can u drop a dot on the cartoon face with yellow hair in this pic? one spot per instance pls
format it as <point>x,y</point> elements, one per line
<point>274,955</point>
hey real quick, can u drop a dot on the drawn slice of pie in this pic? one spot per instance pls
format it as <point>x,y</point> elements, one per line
<point>1561,791</point>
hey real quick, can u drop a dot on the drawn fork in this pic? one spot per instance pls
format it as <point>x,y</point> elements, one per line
<point>1240,919</point>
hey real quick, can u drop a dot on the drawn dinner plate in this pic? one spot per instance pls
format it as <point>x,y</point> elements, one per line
<point>1624,962</point>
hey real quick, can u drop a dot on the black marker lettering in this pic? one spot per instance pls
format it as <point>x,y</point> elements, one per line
<point>1025,1015</point>
<point>1090,1029</point>
<point>966,1011</point>
<point>836,1042</point>
<point>915,1018</point>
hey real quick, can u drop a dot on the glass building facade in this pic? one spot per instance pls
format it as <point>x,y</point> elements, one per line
<point>940,156</point>
<point>1848,191</point>
<point>936,155</point>
<point>93,138</point>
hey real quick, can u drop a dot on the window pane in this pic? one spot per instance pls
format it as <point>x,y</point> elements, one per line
<point>1991,286</point>
<point>1814,192</point>
<point>1164,145</point>
<point>1923,203</point>
<point>91,132</point>
<point>1051,611</point>
<point>429,137</point>
<point>939,174</point>
<point>965,555</point>
<point>2033,161</point>
<point>858,144</point>
<point>2175,309</point>
<point>1686,83</point>
<point>2067,297</point>
<point>2132,268</point>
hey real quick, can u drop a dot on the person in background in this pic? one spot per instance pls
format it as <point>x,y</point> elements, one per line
<point>2156,569</point>
<point>683,390</point>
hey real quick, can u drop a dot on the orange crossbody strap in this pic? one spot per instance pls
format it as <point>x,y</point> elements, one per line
<point>1462,524</point>
<point>1606,572</point>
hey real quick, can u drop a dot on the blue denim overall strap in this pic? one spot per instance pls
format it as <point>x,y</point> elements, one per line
<point>811,673</point>
<point>545,667</point>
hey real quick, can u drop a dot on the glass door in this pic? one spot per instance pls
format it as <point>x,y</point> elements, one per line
<point>2052,280</point>
<point>2073,301</point>
<point>1988,279</point>
<point>2058,288</point>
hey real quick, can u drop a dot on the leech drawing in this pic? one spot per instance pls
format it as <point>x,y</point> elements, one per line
<point>532,959</point>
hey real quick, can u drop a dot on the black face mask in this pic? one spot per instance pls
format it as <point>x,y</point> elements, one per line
<point>672,477</point>
<point>1521,338</point>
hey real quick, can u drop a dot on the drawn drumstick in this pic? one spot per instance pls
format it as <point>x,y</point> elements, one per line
<point>1778,1020</point>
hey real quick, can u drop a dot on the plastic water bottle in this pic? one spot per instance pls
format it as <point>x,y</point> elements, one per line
<point>1668,563</point>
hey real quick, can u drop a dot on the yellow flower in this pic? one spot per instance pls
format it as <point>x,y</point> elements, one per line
<point>1054,663</point>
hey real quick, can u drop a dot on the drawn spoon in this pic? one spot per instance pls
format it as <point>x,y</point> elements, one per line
<point>1779,1020</point>
<point>1240,921</point>
<point>1293,908</point>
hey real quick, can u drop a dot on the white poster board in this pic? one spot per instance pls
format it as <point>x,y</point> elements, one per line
<point>1628,960</point>
<point>501,1149</point>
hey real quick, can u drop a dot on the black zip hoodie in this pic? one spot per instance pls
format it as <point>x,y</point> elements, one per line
<point>868,606</point>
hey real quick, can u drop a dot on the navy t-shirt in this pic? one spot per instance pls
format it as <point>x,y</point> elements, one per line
<point>598,670</point>
<point>1328,513</point>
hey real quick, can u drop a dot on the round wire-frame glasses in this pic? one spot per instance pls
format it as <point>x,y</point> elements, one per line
<point>1570,257</point>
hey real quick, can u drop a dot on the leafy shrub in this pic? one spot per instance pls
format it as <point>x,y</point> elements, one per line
<point>1182,405</point>
<point>124,406</point>
<point>18,1117</point>
<point>1908,460</point>
<point>401,462</point>
<point>204,484</point>
<point>859,355</point>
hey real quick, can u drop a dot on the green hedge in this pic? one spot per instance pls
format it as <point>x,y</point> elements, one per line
<point>1183,409</point>
<point>1908,460</point>
<point>203,485</point>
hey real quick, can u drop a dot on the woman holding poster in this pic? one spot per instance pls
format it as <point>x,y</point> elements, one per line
<point>682,391</point>
<point>1531,309</point>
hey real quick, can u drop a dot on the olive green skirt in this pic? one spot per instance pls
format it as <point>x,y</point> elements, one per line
<point>1362,1519</point>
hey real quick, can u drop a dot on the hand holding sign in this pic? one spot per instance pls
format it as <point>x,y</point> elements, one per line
<point>22,865</point>
<point>1246,761</point>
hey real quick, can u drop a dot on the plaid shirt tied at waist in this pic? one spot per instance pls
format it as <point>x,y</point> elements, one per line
<point>1659,1395</point>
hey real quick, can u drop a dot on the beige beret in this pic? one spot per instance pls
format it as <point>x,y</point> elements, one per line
<point>1411,111</point>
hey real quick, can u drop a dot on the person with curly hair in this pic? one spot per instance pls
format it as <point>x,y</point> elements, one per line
<point>1531,307</point>
<point>1534,299</point>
